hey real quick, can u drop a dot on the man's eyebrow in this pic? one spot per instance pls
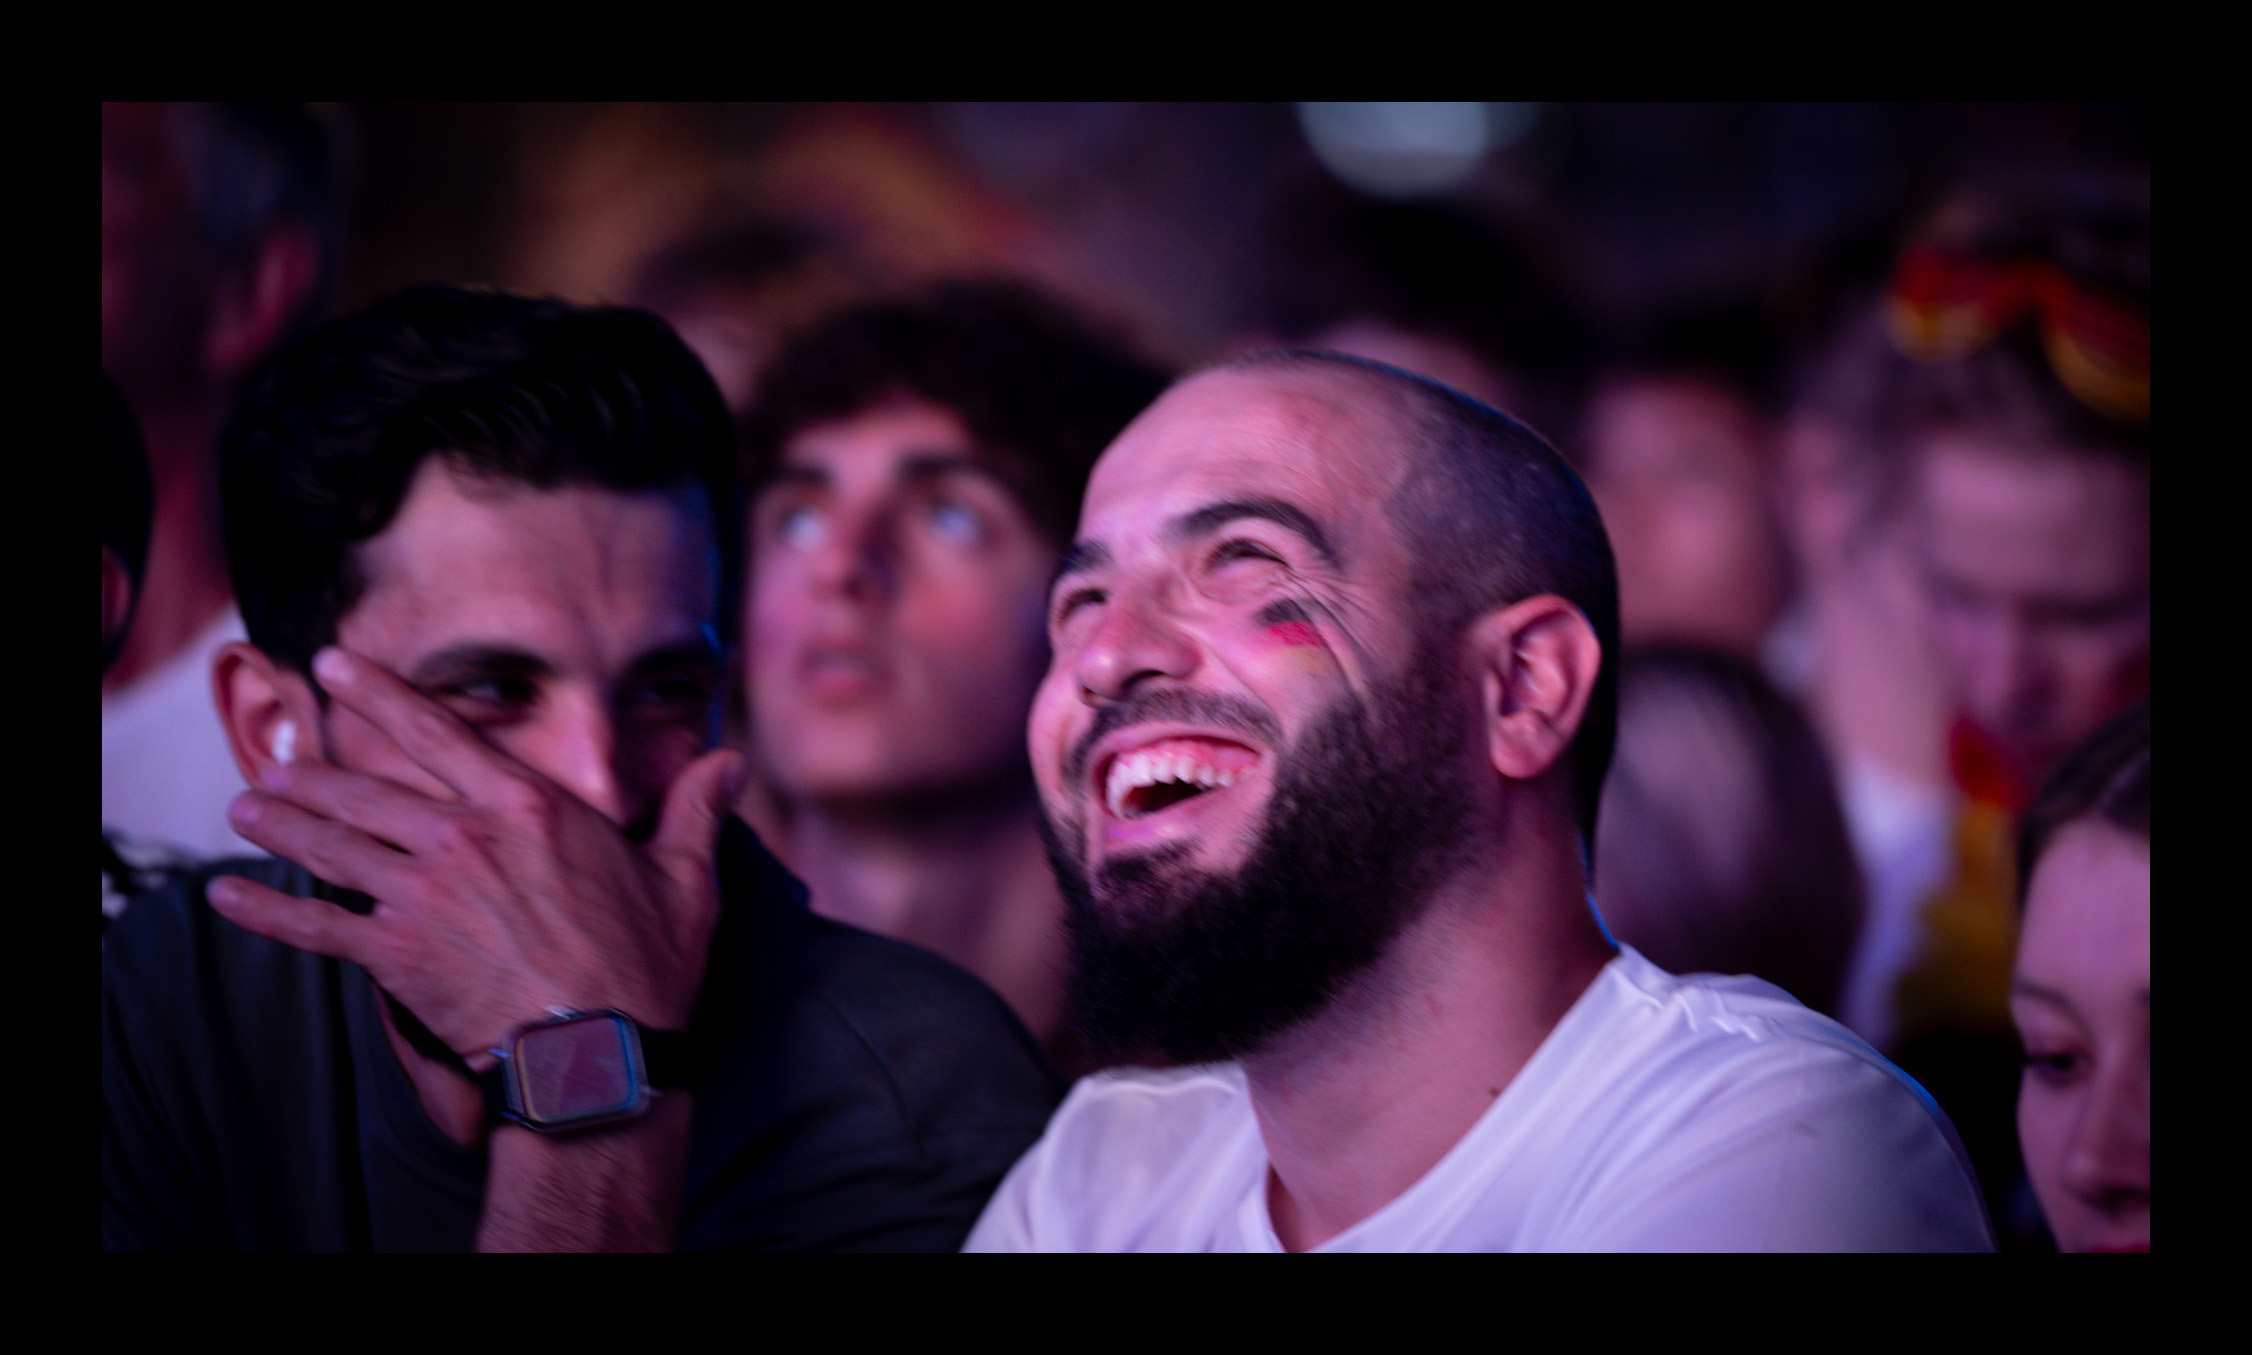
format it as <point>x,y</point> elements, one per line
<point>1211,517</point>
<point>916,468</point>
<point>2071,608</point>
<point>923,468</point>
<point>702,652</point>
<point>474,658</point>
<point>477,658</point>
<point>931,465</point>
<point>1082,557</point>
<point>791,477</point>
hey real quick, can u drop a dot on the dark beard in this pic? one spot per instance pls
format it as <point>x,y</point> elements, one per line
<point>1191,966</point>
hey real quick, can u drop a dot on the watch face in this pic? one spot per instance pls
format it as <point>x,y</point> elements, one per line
<point>578,1071</point>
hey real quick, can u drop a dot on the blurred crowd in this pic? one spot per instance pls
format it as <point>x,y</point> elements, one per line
<point>1879,507</point>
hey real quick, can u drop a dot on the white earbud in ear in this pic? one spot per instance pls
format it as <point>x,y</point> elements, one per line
<point>285,742</point>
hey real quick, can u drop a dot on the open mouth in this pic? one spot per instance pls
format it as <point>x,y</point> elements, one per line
<point>838,672</point>
<point>1154,778</point>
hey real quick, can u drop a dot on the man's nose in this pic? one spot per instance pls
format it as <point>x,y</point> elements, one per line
<point>2010,684</point>
<point>580,751</point>
<point>858,558</point>
<point>1138,638</point>
<point>2108,1159</point>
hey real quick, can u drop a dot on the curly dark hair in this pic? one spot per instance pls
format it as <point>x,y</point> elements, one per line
<point>323,446</point>
<point>1033,384</point>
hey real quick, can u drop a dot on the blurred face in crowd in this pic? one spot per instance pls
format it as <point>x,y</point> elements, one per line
<point>157,271</point>
<point>2037,566</point>
<point>1678,470</point>
<point>2081,1000</point>
<point>571,628</point>
<point>1240,764</point>
<point>895,624</point>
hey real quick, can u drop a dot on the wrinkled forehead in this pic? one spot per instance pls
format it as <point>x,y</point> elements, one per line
<point>464,541</point>
<point>1332,441</point>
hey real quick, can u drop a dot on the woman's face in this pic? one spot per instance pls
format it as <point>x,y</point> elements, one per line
<point>2081,1000</point>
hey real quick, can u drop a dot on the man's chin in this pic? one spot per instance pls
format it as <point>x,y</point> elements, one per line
<point>1143,887</point>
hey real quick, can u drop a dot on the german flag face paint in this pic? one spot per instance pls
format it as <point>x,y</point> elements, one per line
<point>1289,627</point>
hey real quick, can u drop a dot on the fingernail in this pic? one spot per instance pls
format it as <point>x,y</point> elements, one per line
<point>332,667</point>
<point>244,809</point>
<point>222,891</point>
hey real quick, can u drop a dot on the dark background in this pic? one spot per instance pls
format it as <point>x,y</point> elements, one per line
<point>1150,212</point>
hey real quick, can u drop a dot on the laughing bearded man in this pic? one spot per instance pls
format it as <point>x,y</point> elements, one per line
<point>1319,755</point>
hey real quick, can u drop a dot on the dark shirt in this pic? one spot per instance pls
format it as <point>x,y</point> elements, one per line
<point>865,1095</point>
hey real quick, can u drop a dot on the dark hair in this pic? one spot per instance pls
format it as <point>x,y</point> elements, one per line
<point>1724,846</point>
<point>1495,516</point>
<point>1031,383</point>
<point>2106,778</point>
<point>323,446</point>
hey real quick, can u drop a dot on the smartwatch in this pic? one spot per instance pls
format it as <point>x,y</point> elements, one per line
<point>581,1070</point>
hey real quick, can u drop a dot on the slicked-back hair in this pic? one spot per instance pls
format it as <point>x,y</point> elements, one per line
<point>324,445</point>
<point>1029,380</point>
<point>2106,779</point>
<point>1492,515</point>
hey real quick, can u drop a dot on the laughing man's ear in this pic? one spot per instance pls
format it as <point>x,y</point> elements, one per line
<point>267,710</point>
<point>1537,664</point>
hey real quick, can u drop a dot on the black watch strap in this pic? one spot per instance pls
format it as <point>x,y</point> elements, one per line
<point>673,1058</point>
<point>493,1082</point>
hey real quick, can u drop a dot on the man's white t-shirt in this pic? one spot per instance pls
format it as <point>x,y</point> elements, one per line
<point>167,771</point>
<point>1662,1114</point>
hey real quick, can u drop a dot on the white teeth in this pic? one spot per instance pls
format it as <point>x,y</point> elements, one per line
<point>1137,771</point>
